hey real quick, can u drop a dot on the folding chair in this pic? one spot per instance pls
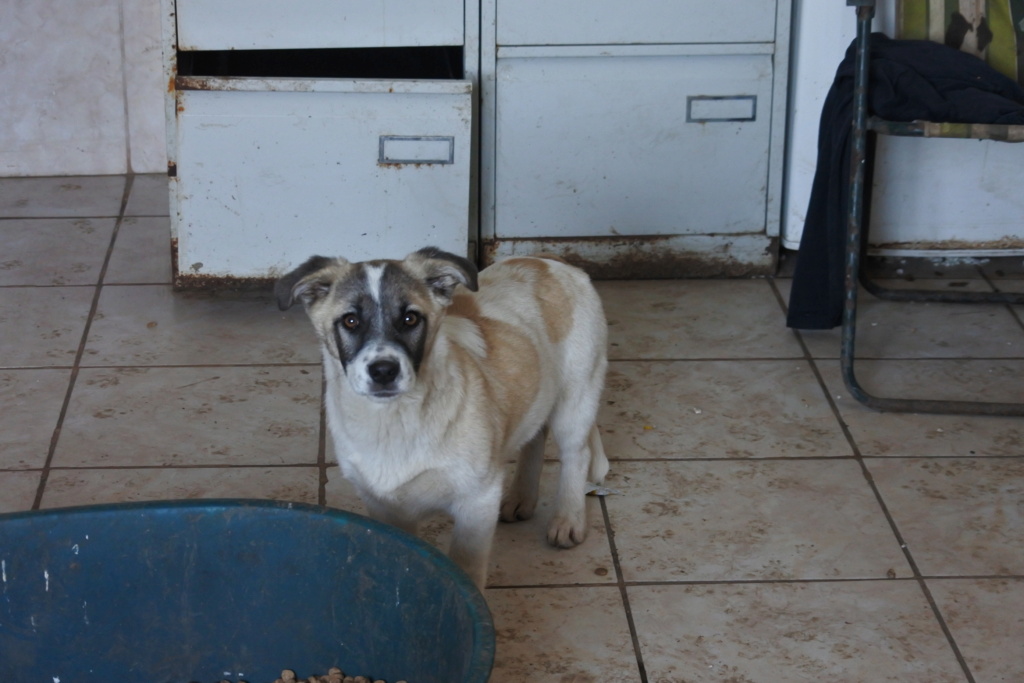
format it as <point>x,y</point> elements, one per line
<point>857,237</point>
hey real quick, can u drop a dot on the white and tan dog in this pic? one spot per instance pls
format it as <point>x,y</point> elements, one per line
<point>431,388</point>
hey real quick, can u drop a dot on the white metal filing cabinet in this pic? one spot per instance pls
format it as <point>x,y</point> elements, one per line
<point>316,127</point>
<point>641,139</point>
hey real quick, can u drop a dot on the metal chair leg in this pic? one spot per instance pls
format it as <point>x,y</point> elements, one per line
<point>856,238</point>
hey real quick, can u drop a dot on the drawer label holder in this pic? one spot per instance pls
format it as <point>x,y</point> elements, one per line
<point>416,149</point>
<point>711,108</point>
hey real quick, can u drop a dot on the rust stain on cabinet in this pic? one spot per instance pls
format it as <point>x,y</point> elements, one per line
<point>639,258</point>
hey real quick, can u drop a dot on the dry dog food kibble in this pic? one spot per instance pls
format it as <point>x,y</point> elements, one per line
<point>334,675</point>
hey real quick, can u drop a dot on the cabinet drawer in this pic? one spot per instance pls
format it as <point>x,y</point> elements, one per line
<point>273,24</point>
<point>362,169</point>
<point>632,145</point>
<point>599,22</point>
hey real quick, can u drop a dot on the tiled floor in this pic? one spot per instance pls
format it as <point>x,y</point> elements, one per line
<point>765,527</point>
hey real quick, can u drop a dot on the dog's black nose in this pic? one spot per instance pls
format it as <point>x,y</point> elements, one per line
<point>383,372</point>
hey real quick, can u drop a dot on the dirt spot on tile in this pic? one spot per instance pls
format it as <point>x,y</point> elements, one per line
<point>103,381</point>
<point>683,485</point>
<point>286,430</point>
<point>272,383</point>
<point>661,508</point>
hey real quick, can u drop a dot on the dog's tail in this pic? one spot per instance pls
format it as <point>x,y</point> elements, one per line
<point>598,460</point>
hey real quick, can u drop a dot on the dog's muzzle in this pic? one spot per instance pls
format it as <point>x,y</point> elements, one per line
<point>383,373</point>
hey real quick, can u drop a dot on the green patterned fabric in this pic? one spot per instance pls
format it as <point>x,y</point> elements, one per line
<point>990,29</point>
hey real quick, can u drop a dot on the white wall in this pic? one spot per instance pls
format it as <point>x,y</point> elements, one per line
<point>81,88</point>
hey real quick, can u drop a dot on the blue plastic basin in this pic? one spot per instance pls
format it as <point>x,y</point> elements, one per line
<point>175,592</point>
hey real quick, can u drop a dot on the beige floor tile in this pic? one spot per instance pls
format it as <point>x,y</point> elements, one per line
<point>1016,285</point>
<point>153,325</point>
<point>921,272</point>
<point>521,555</point>
<point>959,517</point>
<point>717,409</point>
<point>149,196</point>
<point>42,326</point>
<point>672,319</point>
<point>842,631</point>
<point>743,520</point>
<point>192,416</point>
<point>1012,284</point>
<point>912,276</point>
<point>561,635</point>
<point>19,490</point>
<point>986,618</point>
<point>142,252</point>
<point>90,487</point>
<point>903,434</point>
<point>1003,268</point>
<point>32,260</point>
<point>64,196</point>
<point>340,493</point>
<point>30,403</point>
<point>887,329</point>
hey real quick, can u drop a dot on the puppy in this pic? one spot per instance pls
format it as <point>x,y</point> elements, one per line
<point>438,375</point>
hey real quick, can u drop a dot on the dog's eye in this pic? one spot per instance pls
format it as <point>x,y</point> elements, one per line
<point>411,319</point>
<point>350,321</point>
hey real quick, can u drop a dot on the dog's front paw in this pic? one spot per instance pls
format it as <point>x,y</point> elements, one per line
<point>567,531</point>
<point>517,509</point>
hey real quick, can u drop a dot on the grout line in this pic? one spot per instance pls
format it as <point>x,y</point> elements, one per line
<point>184,466</point>
<point>866,472</point>
<point>799,459</point>
<point>1010,307</point>
<point>918,576</point>
<point>55,437</point>
<point>610,532</point>
<point>756,582</point>
<point>710,359</point>
<point>68,217</point>
<point>67,286</point>
<point>201,366</point>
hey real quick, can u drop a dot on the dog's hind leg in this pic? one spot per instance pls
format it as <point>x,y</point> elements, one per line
<point>521,500</point>
<point>572,427</point>
<point>598,459</point>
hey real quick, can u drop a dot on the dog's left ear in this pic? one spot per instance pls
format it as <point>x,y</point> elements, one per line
<point>307,283</point>
<point>443,272</point>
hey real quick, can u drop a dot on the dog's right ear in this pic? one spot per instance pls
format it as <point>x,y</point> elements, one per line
<point>309,283</point>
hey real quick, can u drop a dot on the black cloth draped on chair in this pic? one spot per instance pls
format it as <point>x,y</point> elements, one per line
<point>909,80</point>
